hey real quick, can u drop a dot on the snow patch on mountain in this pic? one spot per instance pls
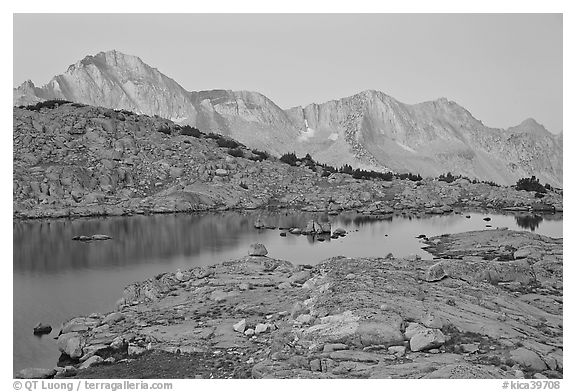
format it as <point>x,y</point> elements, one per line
<point>307,134</point>
<point>405,147</point>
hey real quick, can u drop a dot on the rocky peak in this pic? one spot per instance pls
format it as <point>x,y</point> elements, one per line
<point>369,129</point>
<point>27,86</point>
<point>529,126</point>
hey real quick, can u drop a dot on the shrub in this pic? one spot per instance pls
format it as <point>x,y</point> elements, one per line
<point>127,112</point>
<point>236,152</point>
<point>347,169</point>
<point>530,184</point>
<point>260,155</point>
<point>50,104</point>
<point>164,128</point>
<point>213,135</point>
<point>309,162</point>
<point>409,176</point>
<point>448,177</point>
<point>371,175</point>
<point>289,158</point>
<point>187,130</point>
<point>327,170</point>
<point>228,143</point>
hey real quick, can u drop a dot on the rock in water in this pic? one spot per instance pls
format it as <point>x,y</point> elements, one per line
<point>313,227</point>
<point>81,238</point>
<point>42,329</point>
<point>94,237</point>
<point>339,231</point>
<point>100,237</point>
<point>326,227</point>
<point>257,250</point>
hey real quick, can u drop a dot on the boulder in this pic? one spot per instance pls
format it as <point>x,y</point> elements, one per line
<point>240,326</point>
<point>427,339</point>
<point>119,343</point>
<point>71,344</point>
<point>470,347</point>
<point>435,272</point>
<point>260,328</point>
<point>412,329</point>
<point>399,351</point>
<point>528,358</point>
<point>257,250</point>
<point>381,332</point>
<point>299,277</point>
<point>91,361</point>
<point>181,276</point>
<point>134,349</point>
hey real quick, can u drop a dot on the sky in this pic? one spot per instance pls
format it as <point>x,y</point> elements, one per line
<point>503,68</point>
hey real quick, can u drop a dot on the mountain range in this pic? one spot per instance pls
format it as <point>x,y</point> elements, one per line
<point>369,130</point>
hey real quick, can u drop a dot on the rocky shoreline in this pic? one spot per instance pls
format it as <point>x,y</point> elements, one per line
<point>79,161</point>
<point>488,306</point>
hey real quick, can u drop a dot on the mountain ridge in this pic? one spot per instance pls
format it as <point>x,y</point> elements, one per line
<point>369,129</point>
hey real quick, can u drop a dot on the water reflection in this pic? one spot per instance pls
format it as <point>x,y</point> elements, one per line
<point>56,278</point>
<point>46,246</point>
<point>529,221</point>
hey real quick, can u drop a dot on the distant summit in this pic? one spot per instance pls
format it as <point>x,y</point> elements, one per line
<point>369,130</point>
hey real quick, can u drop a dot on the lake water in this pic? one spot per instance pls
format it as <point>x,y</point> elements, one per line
<point>56,278</point>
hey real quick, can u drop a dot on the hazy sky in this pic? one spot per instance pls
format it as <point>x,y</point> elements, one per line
<point>503,68</point>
